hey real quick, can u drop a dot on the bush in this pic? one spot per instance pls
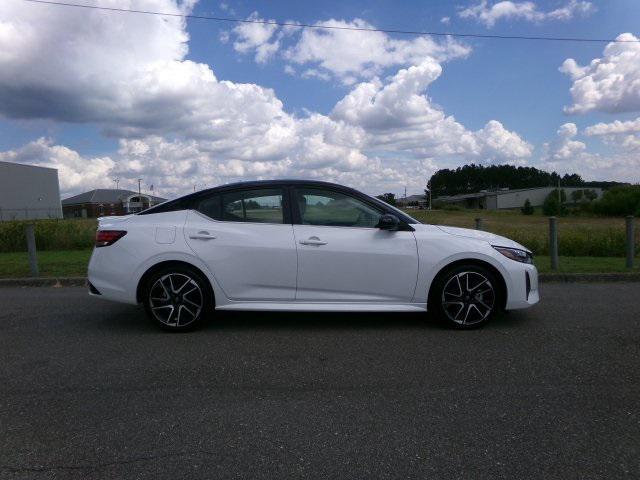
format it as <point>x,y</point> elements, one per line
<point>58,234</point>
<point>451,207</point>
<point>577,196</point>
<point>619,201</point>
<point>552,206</point>
<point>527,209</point>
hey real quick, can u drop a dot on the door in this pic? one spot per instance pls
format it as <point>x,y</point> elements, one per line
<point>243,238</point>
<point>342,257</point>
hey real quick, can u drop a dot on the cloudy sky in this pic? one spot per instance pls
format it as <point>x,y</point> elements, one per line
<point>104,95</point>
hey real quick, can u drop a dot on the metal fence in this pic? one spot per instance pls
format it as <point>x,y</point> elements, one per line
<point>7,214</point>
<point>553,240</point>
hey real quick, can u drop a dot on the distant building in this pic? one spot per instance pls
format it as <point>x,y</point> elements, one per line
<point>412,201</point>
<point>506,199</point>
<point>102,202</point>
<point>28,192</point>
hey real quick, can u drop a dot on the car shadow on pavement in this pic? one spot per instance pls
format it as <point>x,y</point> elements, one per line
<point>132,319</point>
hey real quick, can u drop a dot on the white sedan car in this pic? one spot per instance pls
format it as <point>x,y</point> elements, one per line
<point>303,246</point>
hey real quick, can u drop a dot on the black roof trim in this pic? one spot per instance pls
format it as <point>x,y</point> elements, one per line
<point>185,202</point>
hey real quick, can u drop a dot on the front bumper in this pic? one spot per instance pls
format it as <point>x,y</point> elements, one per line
<point>523,291</point>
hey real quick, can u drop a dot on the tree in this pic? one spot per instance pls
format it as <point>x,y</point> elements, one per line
<point>577,196</point>
<point>619,201</point>
<point>553,206</point>
<point>527,209</point>
<point>390,198</point>
<point>473,178</point>
<point>590,195</point>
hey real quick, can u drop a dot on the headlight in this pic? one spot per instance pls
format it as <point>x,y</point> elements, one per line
<point>516,254</point>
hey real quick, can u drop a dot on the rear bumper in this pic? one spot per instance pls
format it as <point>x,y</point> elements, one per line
<point>523,291</point>
<point>107,278</point>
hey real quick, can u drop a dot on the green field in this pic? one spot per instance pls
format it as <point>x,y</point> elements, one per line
<point>63,263</point>
<point>587,243</point>
<point>578,236</point>
<point>72,263</point>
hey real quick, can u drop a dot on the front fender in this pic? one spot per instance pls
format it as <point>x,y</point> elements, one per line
<point>435,254</point>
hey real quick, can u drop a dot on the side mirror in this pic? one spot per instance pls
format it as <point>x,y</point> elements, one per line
<point>388,222</point>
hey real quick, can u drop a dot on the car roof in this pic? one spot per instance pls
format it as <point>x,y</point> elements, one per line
<point>284,181</point>
<point>266,184</point>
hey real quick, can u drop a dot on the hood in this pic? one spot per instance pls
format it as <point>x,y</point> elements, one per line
<point>491,238</point>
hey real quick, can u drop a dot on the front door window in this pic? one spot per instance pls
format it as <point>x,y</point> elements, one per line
<point>334,209</point>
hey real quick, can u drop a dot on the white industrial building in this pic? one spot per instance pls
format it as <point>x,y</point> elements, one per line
<point>503,199</point>
<point>28,192</point>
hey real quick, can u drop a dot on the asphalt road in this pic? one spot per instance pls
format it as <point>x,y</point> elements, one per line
<point>90,389</point>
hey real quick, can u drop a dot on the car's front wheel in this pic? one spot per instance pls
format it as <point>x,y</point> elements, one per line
<point>466,296</point>
<point>176,298</point>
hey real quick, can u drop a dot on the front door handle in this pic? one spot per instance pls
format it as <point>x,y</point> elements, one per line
<point>312,241</point>
<point>202,235</point>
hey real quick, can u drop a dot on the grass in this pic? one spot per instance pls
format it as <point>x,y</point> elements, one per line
<point>586,265</point>
<point>588,244</point>
<point>578,236</point>
<point>63,263</point>
<point>56,234</point>
<point>72,263</point>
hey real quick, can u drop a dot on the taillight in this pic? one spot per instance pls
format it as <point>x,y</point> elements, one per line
<point>104,238</point>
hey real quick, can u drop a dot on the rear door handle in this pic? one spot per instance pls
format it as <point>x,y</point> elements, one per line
<point>312,241</point>
<point>202,236</point>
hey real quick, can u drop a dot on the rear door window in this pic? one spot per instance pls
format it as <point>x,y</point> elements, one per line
<point>258,206</point>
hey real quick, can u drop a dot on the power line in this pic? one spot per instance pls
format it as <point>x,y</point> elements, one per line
<point>335,27</point>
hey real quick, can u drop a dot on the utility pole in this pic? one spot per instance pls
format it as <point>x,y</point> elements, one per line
<point>429,187</point>
<point>559,195</point>
<point>139,191</point>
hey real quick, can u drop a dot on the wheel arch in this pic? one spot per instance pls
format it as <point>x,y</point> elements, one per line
<point>502,284</point>
<point>166,263</point>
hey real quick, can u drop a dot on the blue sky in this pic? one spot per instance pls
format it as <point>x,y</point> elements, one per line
<point>505,99</point>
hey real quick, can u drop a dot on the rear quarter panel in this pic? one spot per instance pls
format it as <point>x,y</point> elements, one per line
<point>116,270</point>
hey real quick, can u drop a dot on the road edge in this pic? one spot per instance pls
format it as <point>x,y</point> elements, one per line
<point>589,277</point>
<point>543,278</point>
<point>44,282</point>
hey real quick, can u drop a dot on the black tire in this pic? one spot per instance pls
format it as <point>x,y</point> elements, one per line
<point>177,298</point>
<point>465,296</point>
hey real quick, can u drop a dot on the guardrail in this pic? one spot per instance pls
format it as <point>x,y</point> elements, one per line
<point>554,244</point>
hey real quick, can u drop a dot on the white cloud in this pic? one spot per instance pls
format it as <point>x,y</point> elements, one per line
<point>397,116</point>
<point>564,147</point>
<point>74,171</point>
<point>608,84</point>
<point>624,135</point>
<point>225,7</point>
<point>616,127</point>
<point>445,20</point>
<point>565,154</point>
<point>350,55</point>
<point>489,14</point>
<point>258,37</point>
<point>180,125</point>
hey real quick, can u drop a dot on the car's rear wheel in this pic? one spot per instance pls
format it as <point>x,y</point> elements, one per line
<point>466,296</point>
<point>177,298</point>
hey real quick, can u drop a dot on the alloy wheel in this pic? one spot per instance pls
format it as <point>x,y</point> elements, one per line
<point>468,298</point>
<point>176,300</point>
